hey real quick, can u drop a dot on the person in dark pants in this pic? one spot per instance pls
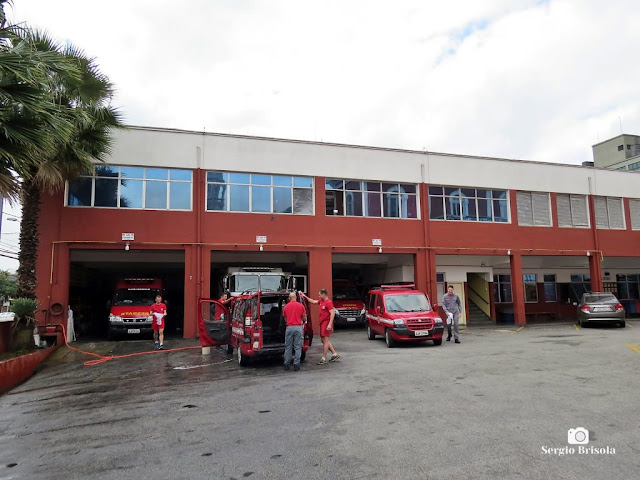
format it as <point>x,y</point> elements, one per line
<point>295,315</point>
<point>451,304</point>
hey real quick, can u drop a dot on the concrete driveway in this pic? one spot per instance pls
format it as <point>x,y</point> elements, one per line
<point>497,406</point>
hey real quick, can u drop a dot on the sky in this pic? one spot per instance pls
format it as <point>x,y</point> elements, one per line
<point>526,79</point>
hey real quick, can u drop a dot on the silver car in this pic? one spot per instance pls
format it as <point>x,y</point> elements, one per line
<point>600,307</point>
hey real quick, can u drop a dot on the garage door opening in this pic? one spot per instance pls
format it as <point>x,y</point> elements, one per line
<point>355,273</point>
<point>94,277</point>
<point>243,268</point>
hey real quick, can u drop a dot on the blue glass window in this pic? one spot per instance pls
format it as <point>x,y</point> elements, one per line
<point>179,196</point>
<point>239,201</point>
<point>131,193</point>
<point>157,174</point>
<point>468,204</point>
<point>261,199</point>
<point>282,200</point>
<point>156,195</point>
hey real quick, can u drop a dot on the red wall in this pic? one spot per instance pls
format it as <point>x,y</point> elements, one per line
<point>199,232</point>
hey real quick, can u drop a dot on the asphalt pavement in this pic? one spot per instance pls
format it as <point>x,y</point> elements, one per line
<point>497,406</point>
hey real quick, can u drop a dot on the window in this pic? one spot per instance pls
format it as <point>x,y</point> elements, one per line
<point>620,148</point>
<point>580,284</point>
<point>259,193</point>
<point>502,289</point>
<point>634,210</point>
<point>550,288</point>
<point>440,283</point>
<point>533,209</point>
<point>609,213</point>
<point>112,186</point>
<point>634,166</point>
<point>468,204</point>
<point>572,210</point>
<point>628,286</point>
<point>530,287</point>
<point>628,147</point>
<point>355,198</point>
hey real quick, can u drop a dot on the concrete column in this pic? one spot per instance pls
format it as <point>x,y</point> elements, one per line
<point>595,269</point>
<point>320,276</point>
<point>517,289</point>
<point>420,272</point>
<point>191,294</point>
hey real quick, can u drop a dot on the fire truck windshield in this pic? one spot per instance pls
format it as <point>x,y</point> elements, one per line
<point>244,283</point>
<point>407,303</point>
<point>138,296</point>
<point>345,293</point>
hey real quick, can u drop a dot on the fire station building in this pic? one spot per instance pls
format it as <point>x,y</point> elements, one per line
<point>519,240</point>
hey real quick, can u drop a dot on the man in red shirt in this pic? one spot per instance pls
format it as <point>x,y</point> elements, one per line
<point>158,311</point>
<point>325,318</point>
<point>295,315</point>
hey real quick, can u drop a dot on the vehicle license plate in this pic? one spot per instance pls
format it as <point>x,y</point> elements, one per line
<point>133,330</point>
<point>422,333</point>
<point>351,319</point>
<point>600,309</point>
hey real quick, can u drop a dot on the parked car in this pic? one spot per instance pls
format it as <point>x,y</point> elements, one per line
<point>400,313</point>
<point>597,307</point>
<point>254,326</point>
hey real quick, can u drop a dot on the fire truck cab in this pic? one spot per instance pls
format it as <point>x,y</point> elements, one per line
<point>400,313</point>
<point>254,326</point>
<point>349,304</point>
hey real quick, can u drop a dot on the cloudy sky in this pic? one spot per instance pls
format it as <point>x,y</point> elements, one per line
<point>527,79</point>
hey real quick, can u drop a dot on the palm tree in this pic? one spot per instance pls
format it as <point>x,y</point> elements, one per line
<point>84,102</point>
<point>29,118</point>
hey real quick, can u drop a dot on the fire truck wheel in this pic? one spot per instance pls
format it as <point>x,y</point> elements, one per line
<point>390,341</point>
<point>370,334</point>
<point>242,360</point>
<point>437,342</point>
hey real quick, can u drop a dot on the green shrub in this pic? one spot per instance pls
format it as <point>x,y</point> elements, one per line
<point>24,308</point>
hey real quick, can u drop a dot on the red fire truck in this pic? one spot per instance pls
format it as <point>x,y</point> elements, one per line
<point>349,304</point>
<point>129,309</point>
<point>402,313</point>
<point>254,326</point>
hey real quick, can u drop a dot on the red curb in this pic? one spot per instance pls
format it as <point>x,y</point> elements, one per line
<point>16,370</point>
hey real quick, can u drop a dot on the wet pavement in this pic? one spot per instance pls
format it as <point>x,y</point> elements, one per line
<point>482,409</point>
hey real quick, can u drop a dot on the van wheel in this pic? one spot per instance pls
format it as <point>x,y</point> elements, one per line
<point>438,341</point>
<point>242,360</point>
<point>390,341</point>
<point>370,334</point>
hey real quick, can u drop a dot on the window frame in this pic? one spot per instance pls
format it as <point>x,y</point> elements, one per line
<point>383,195</point>
<point>444,196</point>
<point>570,196</point>
<point>272,186</point>
<point>530,194</point>
<point>549,282</point>
<point>119,178</point>
<point>607,202</point>
<point>529,283</point>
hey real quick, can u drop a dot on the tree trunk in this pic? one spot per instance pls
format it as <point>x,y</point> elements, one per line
<point>29,241</point>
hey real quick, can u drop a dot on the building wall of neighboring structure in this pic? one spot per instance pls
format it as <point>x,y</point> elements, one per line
<point>608,154</point>
<point>198,232</point>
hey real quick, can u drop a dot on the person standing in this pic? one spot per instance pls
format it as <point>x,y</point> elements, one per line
<point>325,319</point>
<point>295,315</point>
<point>451,304</point>
<point>158,311</point>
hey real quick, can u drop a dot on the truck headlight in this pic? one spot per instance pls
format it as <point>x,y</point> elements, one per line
<point>398,323</point>
<point>363,311</point>
<point>438,320</point>
<point>115,318</point>
<point>150,318</point>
